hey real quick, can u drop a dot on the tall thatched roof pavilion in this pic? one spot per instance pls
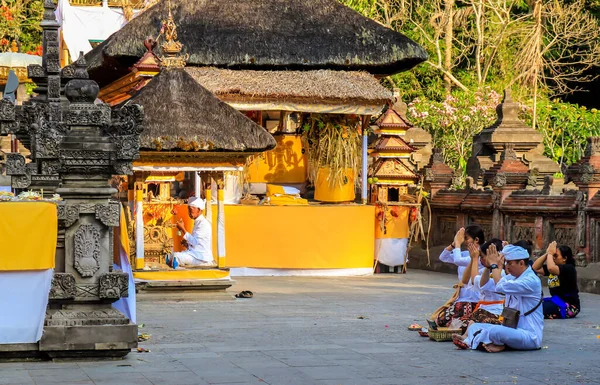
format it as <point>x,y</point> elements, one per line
<point>262,34</point>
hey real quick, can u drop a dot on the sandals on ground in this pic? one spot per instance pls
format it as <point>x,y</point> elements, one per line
<point>244,294</point>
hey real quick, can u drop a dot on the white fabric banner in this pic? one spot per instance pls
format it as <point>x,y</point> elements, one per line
<point>391,251</point>
<point>80,25</point>
<point>23,301</point>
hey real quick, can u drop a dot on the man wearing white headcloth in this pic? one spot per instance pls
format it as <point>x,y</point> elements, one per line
<point>523,289</point>
<point>198,242</point>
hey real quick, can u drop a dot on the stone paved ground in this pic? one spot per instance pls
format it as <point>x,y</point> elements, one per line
<point>307,331</point>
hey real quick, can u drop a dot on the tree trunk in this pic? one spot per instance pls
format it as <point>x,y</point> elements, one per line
<point>448,37</point>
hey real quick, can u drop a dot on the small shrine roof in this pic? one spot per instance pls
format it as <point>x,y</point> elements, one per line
<point>392,143</point>
<point>392,119</point>
<point>391,168</point>
<point>181,115</point>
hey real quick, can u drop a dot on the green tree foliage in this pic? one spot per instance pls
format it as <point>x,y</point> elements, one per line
<point>539,48</point>
<point>20,22</point>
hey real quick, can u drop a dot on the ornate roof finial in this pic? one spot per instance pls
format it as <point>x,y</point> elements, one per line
<point>171,47</point>
<point>14,47</point>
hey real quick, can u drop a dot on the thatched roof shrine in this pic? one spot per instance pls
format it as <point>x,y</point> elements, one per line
<point>262,34</point>
<point>358,87</point>
<point>336,91</point>
<point>181,115</point>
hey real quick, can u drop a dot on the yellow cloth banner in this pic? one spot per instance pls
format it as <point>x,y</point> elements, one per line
<point>300,237</point>
<point>396,224</point>
<point>27,235</point>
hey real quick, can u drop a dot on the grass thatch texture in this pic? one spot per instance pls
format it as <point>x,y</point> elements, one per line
<point>314,86</point>
<point>262,34</point>
<point>181,115</point>
<point>333,142</point>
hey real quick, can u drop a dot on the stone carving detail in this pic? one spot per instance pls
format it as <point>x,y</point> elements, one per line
<point>109,214</point>
<point>127,120</point>
<point>50,167</point>
<point>21,181</point>
<point>63,286</point>
<point>581,260</point>
<point>88,115</point>
<point>526,233</point>
<point>566,236</point>
<point>87,250</point>
<point>533,177</point>
<point>113,285</point>
<point>509,152</point>
<point>586,172</point>
<point>128,147</point>
<point>54,87</point>
<point>500,179</point>
<point>69,214</point>
<point>35,71</point>
<point>15,164</point>
<point>123,168</point>
<point>67,317</point>
<point>87,291</point>
<point>7,110</point>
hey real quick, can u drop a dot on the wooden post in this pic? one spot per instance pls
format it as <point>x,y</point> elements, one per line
<point>221,220</point>
<point>197,185</point>
<point>139,231</point>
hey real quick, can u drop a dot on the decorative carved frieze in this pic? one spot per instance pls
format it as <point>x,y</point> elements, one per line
<point>109,214</point>
<point>15,164</point>
<point>63,286</point>
<point>87,250</point>
<point>73,317</point>
<point>68,213</point>
<point>21,181</point>
<point>35,71</point>
<point>113,285</point>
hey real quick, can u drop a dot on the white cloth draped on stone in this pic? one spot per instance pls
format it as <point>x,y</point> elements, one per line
<point>23,302</point>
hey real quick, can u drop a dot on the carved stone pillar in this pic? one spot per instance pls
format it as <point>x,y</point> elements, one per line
<point>76,146</point>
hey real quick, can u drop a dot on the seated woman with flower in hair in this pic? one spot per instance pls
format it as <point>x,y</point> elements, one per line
<point>560,269</point>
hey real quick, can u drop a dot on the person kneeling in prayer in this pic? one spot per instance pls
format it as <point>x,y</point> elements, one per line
<point>198,242</point>
<point>460,306</point>
<point>522,289</point>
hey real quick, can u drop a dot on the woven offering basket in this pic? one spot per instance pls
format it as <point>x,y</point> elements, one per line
<point>443,334</point>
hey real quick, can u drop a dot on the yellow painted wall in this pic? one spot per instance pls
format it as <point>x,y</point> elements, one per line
<point>293,237</point>
<point>299,237</point>
<point>284,164</point>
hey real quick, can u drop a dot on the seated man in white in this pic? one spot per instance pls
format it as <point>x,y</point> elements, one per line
<point>198,242</point>
<point>523,290</point>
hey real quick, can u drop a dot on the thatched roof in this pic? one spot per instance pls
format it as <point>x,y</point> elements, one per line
<point>313,86</point>
<point>262,34</point>
<point>181,115</point>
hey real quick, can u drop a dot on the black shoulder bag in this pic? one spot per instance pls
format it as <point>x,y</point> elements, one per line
<point>510,316</point>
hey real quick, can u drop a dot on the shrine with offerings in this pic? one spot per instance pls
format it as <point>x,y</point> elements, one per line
<point>295,166</point>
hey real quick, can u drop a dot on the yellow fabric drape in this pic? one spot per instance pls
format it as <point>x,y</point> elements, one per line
<point>28,233</point>
<point>121,239</point>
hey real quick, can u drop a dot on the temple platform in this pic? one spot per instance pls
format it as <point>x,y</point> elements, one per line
<point>183,279</point>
